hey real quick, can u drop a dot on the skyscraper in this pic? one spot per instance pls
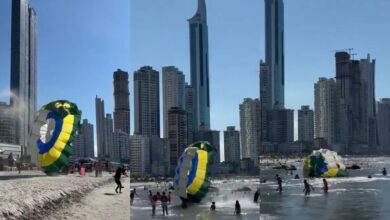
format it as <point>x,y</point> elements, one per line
<point>177,134</point>
<point>120,145</point>
<point>306,124</point>
<point>232,145</point>
<point>189,101</point>
<point>280,126</point>
<point>83,145</point>
<point>108,135</point>
<point>146,102</point>
<point>173,92</point>
<point>199,64</point>
<point>355,116</point>
<point>23,69</point>
<point>7,125</point>
<point>250,126</point>
<point>325,109</point>
<point>139,154</point>
<point>121,101</point>
<point>384,125</point>
<point>274,53</point>
<point>100,128</point>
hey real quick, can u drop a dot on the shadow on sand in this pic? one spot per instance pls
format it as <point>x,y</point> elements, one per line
<point>19,177</point>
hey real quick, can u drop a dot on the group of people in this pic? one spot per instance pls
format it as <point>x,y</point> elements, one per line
<point>165,200</point>
<point>237,209</point>
<point>307,187</point>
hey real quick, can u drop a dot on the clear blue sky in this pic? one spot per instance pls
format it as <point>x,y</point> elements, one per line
<point>80,44</point>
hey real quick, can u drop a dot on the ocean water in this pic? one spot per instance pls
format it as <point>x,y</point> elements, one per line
<point>353,197</point>
<point>222,195</point>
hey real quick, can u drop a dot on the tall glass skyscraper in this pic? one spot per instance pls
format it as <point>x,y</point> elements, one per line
<point>199,64</point>
<point>23,70</point>
<point>274,52</point>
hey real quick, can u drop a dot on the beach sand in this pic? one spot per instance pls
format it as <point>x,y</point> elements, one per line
<point>101,203</point>
<point>33,195</point>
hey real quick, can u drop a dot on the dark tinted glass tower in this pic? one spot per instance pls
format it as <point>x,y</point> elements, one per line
<point>199,64</point>
<point>23,69</point>
<point>274,52</point>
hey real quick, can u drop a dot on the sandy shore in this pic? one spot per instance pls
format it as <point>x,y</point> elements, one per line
<point>33,195</point>
<point>101,203</point>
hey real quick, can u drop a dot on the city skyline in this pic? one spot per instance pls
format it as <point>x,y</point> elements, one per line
<point>296,79</point>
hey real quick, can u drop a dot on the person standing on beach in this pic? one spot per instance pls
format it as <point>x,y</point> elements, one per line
<point>117,177</point>
<point>164,203</point>
<point>325,186</point>
<point>237,209</point>
<point>279,180</point>
<point>307,188</point>
<point>154,201</point>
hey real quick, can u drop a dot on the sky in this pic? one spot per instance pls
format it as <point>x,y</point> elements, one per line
<point>81,43</point>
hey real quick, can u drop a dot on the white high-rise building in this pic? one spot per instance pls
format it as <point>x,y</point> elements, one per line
<point>250,128</point>
<point>139,154</point>
<point>108,135</point>
<point>173,92</point>
<point>120,146</point>
<point>83,145</point>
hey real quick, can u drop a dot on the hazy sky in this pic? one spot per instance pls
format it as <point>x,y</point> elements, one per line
<point>80,44</point>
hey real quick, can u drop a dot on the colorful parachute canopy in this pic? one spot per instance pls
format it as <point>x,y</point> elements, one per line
<point>192,171</point>
<point>52,133</point>
<point>324,163</point>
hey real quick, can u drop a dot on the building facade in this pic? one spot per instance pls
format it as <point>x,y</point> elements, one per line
<point>121,101</point>
<point>100,128</point>
<point>23,70</point>
<point>120,146</point>
<point>108,135</point>
<point>306,124</point>
<point>199,67</point>
<point>177,134</point>
<point>250,128</point>
<point>280,126</point>
<point>173,92</point>
<point>7,125</point>
<point>383,117</point>
<point>274,52</point>
<point>83,145</point>
<point>355,115</point>
<point>146,102</point>
<point>232,145</point>
<point>325,109</point>
<point>189,100</point>
<point>139,154</point>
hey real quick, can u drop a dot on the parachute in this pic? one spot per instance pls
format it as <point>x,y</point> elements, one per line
<point>324,163</point>
<point>191,173</point>
<point>52,133</point>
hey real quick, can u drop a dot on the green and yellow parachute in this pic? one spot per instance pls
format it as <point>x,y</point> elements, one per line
<point>191,174</point>
<point>324,163</point>
<point>52,133</point>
